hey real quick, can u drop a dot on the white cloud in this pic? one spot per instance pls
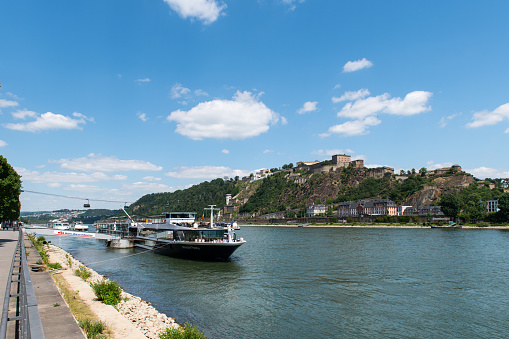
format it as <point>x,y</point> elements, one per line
<point>354,127</point>
<point>225,151</point>
<point>7,103</point>
<point>142,80</point>
<point>50,121</point>
<point>178,91</point>
<point>430,165</point>
<point>486,172</point>
<point>23,114</point>
<point>284,121</point>
<point>485,117</point>
<point>151,178</point>
<point>2,143</point>
<point>309,106</point>
<point>413,103</point>
<point>268,151</point>
<point>97,162</point>
<point>351,95</point>
<point>352,66</point>
<point>200,92</point>
<point>292,3</point>
<point>331,152</point>
<point>445,120</point>
<point>206,172</point>
<point>205,10</point>
<point>151,187</point>
<point>69,177</point>
<point>142,116</point>
<point>243,117</point>
<point>364,110</point>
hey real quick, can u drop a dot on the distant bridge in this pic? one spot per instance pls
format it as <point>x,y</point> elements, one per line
<point>69,233</point>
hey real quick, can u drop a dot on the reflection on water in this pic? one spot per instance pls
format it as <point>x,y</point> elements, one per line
<point>326,282</point>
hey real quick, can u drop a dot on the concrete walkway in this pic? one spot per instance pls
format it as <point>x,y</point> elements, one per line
<point>57,320</point>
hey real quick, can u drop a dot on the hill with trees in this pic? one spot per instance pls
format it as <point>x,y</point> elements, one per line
<point>289,191</point>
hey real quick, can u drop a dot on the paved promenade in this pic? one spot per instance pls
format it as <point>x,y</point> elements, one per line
<point>57,320</point>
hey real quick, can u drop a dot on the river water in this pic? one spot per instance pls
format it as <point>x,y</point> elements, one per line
<point>326,283</point>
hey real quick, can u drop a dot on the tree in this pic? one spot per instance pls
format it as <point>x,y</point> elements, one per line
<point>423,171</point>
<point>10,189</point>
<point>503,205</point>
<point>450,205</point>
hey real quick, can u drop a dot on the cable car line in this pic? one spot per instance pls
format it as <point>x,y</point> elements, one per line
<point>77,198</point>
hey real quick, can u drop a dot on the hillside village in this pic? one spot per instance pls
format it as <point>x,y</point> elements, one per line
<point>340,173</point>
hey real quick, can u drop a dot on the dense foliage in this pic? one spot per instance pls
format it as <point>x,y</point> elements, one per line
<point>107,291</point>
<point>384,188</point>
<point>10,189</point>
<point>188,332</point>
<point>192,199</point>
<point>268,195</point>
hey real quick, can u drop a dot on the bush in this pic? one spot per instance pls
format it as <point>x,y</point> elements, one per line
<point>482,224</point>
<point>107,291</point>
<point>82,272</point>
<point>55,265</point>
<point>188,332</point>
<point>93,329</point>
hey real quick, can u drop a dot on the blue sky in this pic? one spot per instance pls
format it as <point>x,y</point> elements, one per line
<point>112,100</point>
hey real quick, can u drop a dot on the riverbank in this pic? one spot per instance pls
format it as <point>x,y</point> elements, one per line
<point>132,317</point>
<point>369,226</point>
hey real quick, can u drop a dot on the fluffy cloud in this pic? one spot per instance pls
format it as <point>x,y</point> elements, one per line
<point>48,121</point>
<point>150,187</point>
<point>485,117</point>
<point>352,66</point>
<point>7,103</point>
<point>206,172</point>
<point>179,91</point>
<point>309,106</point>
<point>431,165</point>
<point>445,120</point>
<point>225,151</point>
<point>352,95</point>
<point>205,10</point>
<point>486,172</point>
<point>23,114</point>
<point>413,103</point>
<point>142,116</point>
<point>69,177</point>
<point>331,152</point>
<point>365,111</point>
<point>354,127</point>
<point>243,117</point>
<point>140,81</point>
<point>97,162</point>
<point>2,143</point>
<point>292,3</point>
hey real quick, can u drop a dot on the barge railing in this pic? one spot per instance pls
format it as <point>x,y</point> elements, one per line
<point>27,318</point>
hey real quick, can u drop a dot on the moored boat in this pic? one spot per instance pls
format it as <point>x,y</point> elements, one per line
<point>59,224</point>
<point>79,226</point>
<point>178,235</point>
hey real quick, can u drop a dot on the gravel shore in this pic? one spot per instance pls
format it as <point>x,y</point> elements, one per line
<point>133,317</point>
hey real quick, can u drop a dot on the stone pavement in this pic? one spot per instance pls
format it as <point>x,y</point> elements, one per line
<point>57,320</point>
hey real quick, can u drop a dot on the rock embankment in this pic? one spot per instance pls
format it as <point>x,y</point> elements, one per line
<point>132,318</point>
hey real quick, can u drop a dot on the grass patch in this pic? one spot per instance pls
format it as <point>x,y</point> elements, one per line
<point>78,308</point>
<point>55,265</point>
<point>82,272</point>
<point>107,291</point>
<point>188,332</point>
<point>93,329</point>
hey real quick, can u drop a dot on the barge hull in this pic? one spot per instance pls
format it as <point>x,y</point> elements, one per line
<point>195,251</point>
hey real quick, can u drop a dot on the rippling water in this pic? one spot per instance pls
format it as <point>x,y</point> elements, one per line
<point>326,282</point>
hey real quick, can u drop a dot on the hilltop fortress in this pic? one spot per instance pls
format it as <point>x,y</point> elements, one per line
<point>342,161</point>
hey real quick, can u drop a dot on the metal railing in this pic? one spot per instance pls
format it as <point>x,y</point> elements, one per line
<point>27,319</point>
